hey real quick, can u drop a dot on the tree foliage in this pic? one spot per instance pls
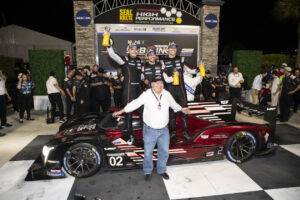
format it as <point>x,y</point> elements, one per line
<point>41,63</point>
<point>249,63</point>
<point>287,10</point>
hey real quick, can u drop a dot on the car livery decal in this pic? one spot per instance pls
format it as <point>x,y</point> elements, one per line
<point>135,153</point>
<point>86,127</point>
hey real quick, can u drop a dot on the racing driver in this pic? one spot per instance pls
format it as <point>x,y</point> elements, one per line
<point>173,64</point>
<point>131,70</point>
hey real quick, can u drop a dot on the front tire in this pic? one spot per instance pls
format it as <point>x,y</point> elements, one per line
<point>240,147</point>
<point>82,160</point>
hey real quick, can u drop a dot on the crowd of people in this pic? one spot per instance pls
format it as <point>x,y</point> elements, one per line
<point>280,87</point>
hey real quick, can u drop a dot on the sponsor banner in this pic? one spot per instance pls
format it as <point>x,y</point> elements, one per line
<point>186,37</point>
<point>148,29</point>
<point>147,14</point>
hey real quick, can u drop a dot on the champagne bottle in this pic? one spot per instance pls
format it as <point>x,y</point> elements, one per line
<point>106,37</point>
<point>175,77</point>
<point>202,69</point>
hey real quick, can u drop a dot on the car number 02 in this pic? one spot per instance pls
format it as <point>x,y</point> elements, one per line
<point>116,161</point>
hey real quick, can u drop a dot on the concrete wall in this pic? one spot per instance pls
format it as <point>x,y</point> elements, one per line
<point>209,37</point>
<point>85,35</point>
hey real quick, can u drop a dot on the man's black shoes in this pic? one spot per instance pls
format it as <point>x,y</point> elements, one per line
<point>147,177</point>
<point>6,125</point>
<point>165,176</point>
<point>2,134</point>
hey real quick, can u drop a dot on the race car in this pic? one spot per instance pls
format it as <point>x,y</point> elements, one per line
<point>89,142</point>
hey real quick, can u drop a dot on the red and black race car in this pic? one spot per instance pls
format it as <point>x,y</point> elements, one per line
<point>87,143</point>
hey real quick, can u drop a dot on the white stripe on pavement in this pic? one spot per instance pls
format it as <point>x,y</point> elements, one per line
<point>13,186</point>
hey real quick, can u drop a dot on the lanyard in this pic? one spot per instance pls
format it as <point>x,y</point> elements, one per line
<point>159,105</point>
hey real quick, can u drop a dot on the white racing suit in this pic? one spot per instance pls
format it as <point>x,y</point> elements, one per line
<point>190,84</point>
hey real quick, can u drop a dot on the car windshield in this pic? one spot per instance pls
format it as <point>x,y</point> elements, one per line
<point>111,123</point>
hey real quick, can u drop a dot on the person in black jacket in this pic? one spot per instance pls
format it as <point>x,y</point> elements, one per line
<point>286,95</point>
<point>68,87</point>
<point>99,93</point>
<point>207,86</point>
<point>81,89</point>
<point>117,86</point>
<point>220,83</point>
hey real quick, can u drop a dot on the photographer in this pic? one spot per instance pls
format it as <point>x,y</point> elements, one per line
<point>25,86</point>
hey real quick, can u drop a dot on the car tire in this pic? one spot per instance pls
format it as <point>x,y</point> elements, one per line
<point>82,160</point>
<point>240,147</point>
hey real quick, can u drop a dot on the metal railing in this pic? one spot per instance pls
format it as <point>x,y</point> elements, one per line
<point>103,6</point>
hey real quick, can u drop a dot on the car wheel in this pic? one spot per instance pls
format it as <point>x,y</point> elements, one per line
<point>240,147</point>
<point>82,160</point>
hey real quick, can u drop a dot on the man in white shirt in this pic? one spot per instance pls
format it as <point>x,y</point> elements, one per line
<point>3,93</point>
<point>157,102</point>
<point>275,89</point>
<point>235,79</point>
<point>256,86</point>
<point>54,95</point>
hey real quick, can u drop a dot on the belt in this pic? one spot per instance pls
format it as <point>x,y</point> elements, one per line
<point>134,83</point>
<point>154,128</point>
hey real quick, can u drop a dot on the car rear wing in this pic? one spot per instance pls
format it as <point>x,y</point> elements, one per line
<point>269,113</point>
<point>225,111</point>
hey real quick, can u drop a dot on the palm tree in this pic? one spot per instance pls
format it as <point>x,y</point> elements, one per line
<point>289,11</point>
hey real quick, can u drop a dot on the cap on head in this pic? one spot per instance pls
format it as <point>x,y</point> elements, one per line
<point>156,78</point>
<point>150,50</point>
<point>288,69</point>
<point>172,44</point>
<point>207,72</point>
<point>77,73</point>
<point>133,44</point>
<point>284,65</point>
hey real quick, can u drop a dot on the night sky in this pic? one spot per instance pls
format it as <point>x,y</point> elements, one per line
<point>243,24</point>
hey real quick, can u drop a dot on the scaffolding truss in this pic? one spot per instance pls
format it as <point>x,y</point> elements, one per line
<point>103,6</point>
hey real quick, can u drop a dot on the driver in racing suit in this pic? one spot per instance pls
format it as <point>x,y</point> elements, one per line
<point>131,70</point>
<point>175,64</point>
<point>151,69</point>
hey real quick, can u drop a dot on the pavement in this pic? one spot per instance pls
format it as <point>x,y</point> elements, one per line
<point>275,176</point>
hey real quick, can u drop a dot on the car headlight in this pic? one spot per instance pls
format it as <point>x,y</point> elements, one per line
<point>46,151</point>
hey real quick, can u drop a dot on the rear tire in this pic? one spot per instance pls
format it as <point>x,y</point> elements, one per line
<point>82,160</point>
<point>240,147</point>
